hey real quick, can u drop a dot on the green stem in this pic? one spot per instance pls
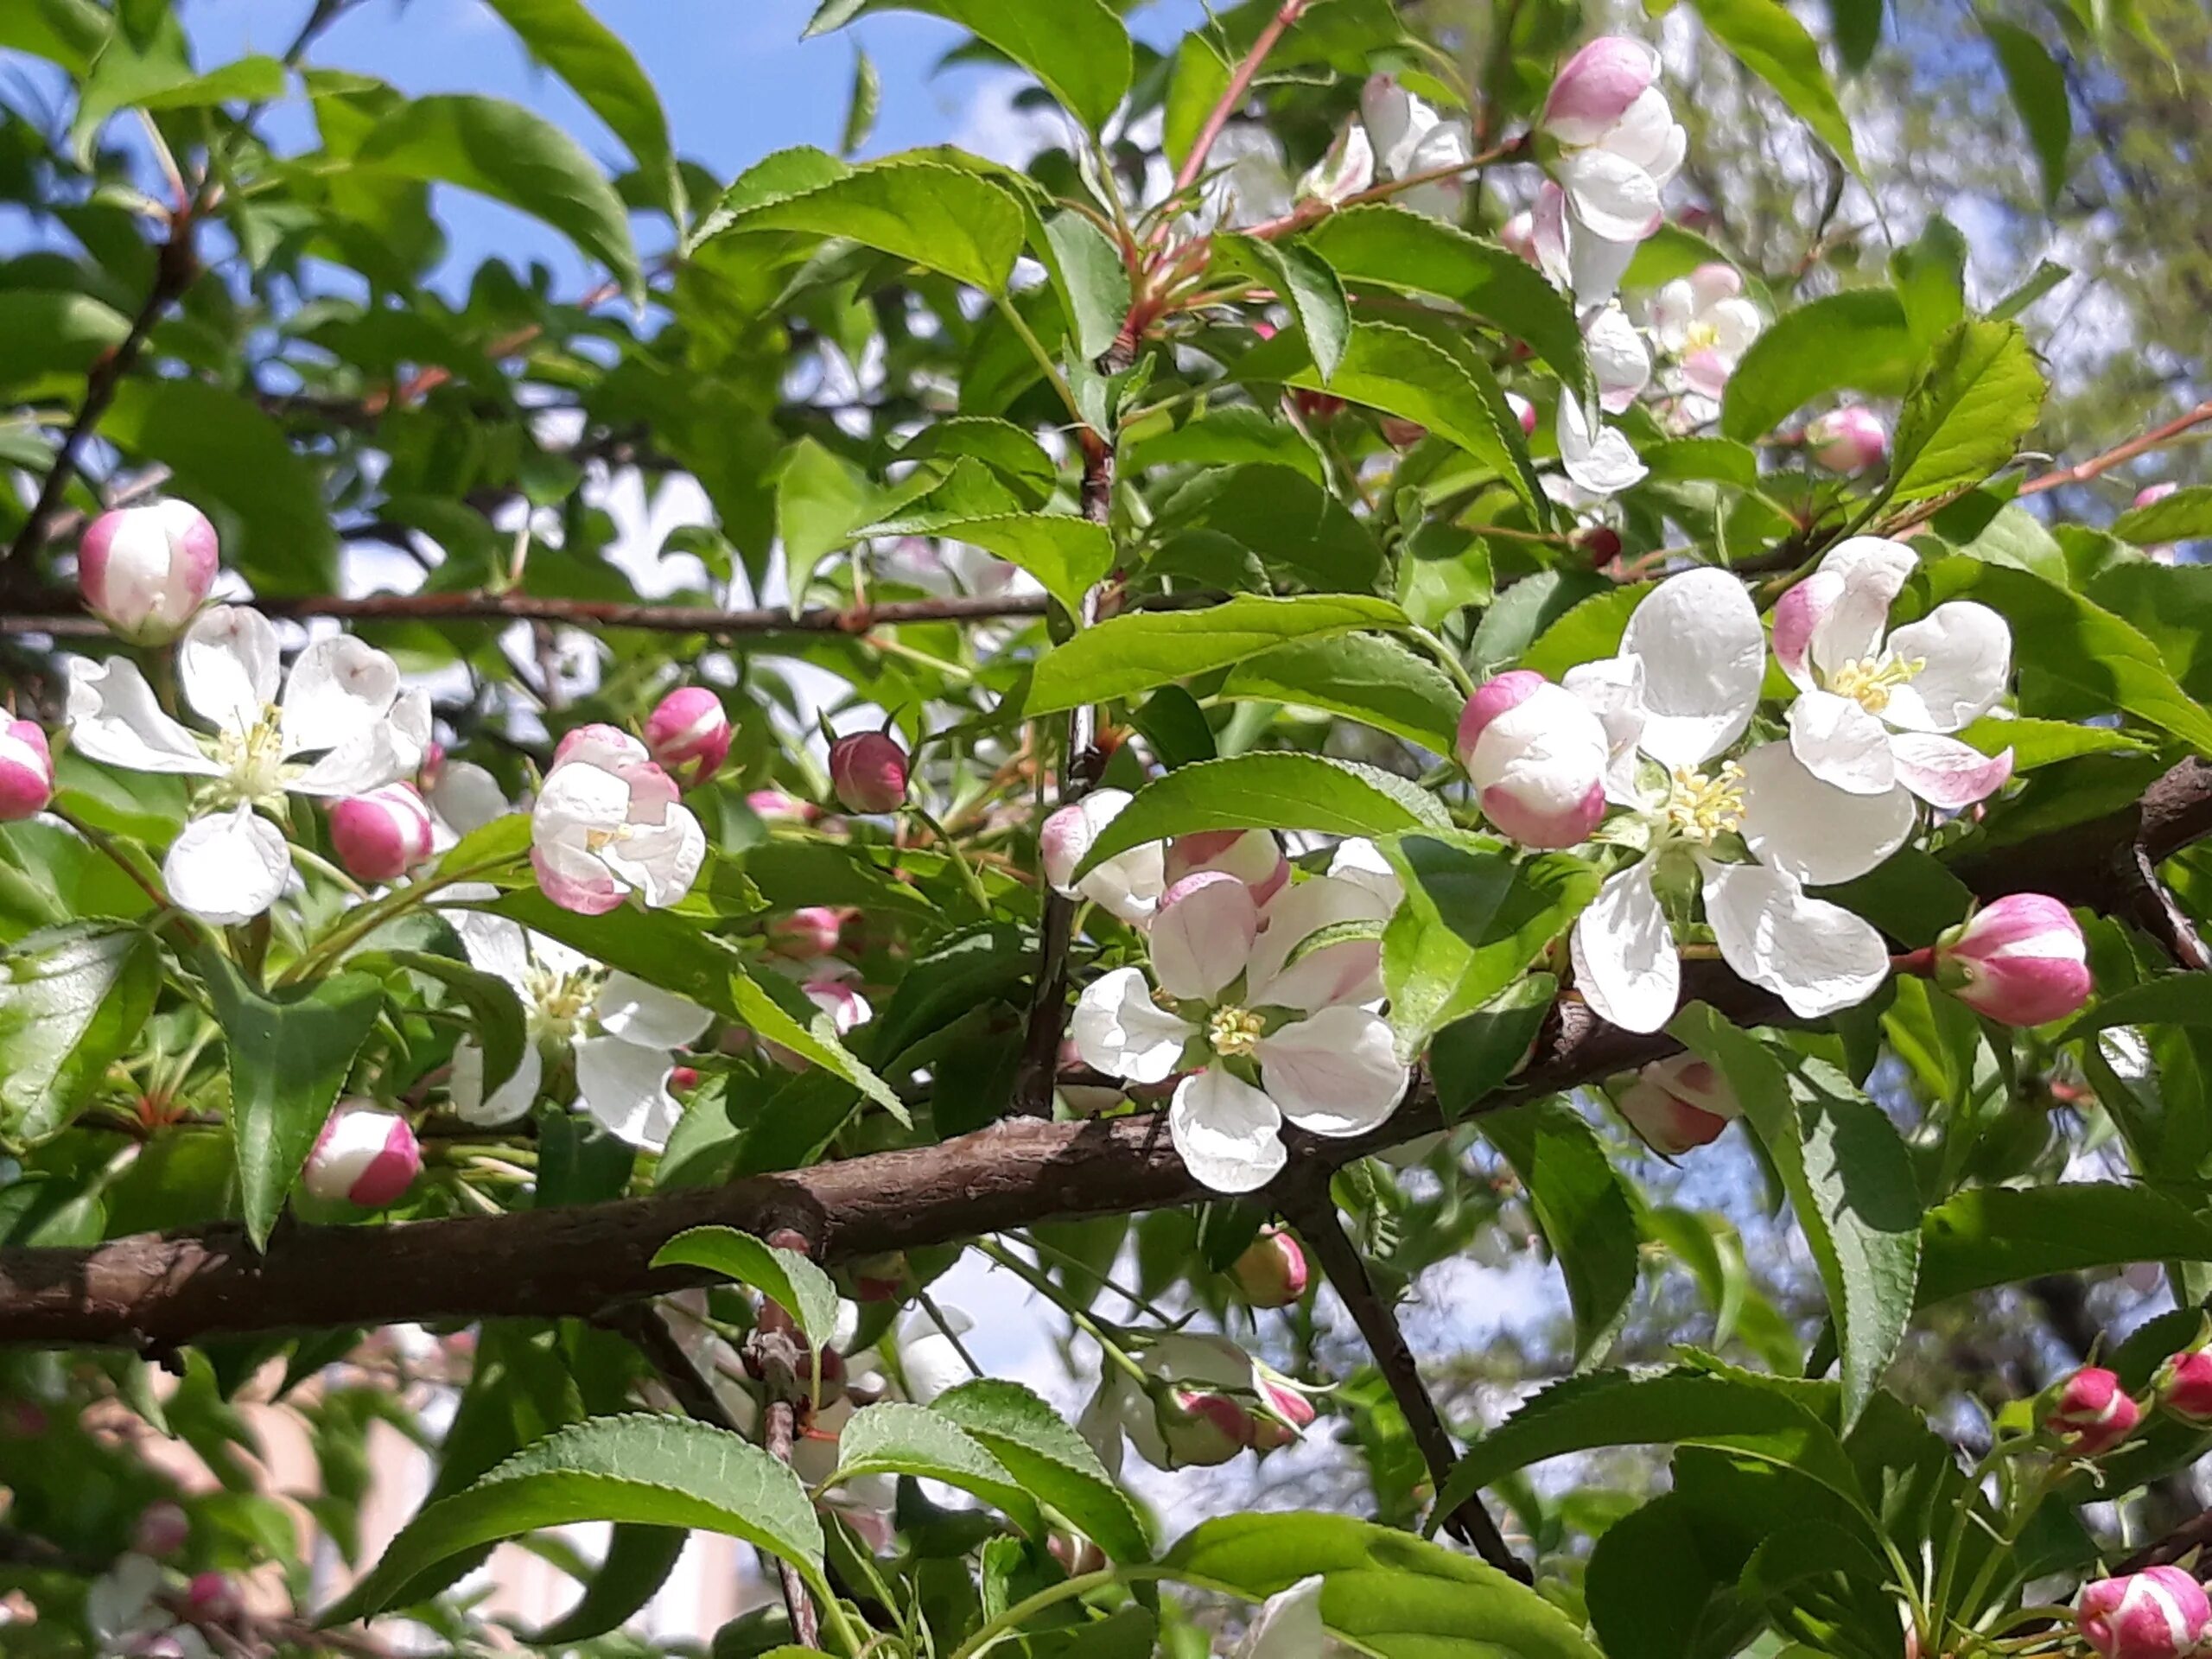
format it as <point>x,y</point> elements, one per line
<point>1067,1590</point>
<point>1021,325</point>
<point>1106,1281</point>
<point>1448,659</point>
<point>364,919</point>
<point>1042,1284</point>
<point>969,878</point>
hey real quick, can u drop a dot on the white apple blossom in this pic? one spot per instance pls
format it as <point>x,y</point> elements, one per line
<point>1201,1401</point>
<point>1704,322</point>
<point>607,823</point>
<point>1345,170</point>
<point>1618,357</point>
<point>1263,1037</point>
<point>1599,458</point>
<point>622,1032</point>
<point>1409,138</point>
<point>341,702</point>
<point>1128,885</point>
<point>1877,709</point>
<point>1620,146</point>
<point>1680,693</point>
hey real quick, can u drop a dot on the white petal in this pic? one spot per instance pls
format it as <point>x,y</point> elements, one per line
<point>1623,953</point>
<point>491,942</point>
<point>1288,1625</point>
<point>226,666</point>
<point>1228,1132</point>
<point>1609,195</point>
<point>625,1088</point>
<point>1602,462</point>
<point>1335,1073</point>
<point>464,1086</point>
<point>339,689</point>
<point>1119,1029</point>
<point>1595,263</point>
<point>1704,655</point>
<point>1817,956</point>
<point>466,796</point>
<point>1815,832</point>
<point>647,1015</point>
<point>1347,971</point>
<point>1967,650</point>
<point>228,867</point>
<point>1873,570</point>
<point>1946,773</point>
<point>115,717</point>
<point>931,1363</point>
<point>1648,135</point>
<point>369,758</point>
<point>1203,939</point>
<point>1618,357</point>
<point>1360,862</point>
<point>662,861</point>
<point>1737,323</point>
<point>1839,743</point>
<point>1612,689</point>
<point>1672,308</point>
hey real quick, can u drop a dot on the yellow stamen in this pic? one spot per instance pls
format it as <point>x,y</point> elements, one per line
<point>1233,1032</point>
<point>252,762</point>
<point>1703,808</point>
<point>557,1002</point>
<point>1868,681</point>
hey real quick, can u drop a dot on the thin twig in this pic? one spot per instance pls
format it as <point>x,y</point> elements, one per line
<point>2097,466</point>
<point>1240,82</point>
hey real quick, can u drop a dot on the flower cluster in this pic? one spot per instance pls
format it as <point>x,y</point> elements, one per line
<point>1193,1401</point>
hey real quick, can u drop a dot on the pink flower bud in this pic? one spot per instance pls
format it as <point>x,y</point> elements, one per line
<point>2151,494</point>
<point>773,806</point>
<point>829,992</point>
<point>1272,1271</point>
<point>365,1155</point>
<point>1537,756</point>
<point>1595,87</point>
<point>1678,1103</point>
<point>211,1600</point>
<point>1518,236</point>
<point>144,570</point>
<point>2091,1413</point>
<point>1523,411</point>
<point>1075,1555</point>
<point>163,1529</point>
<point>2185,1385</point>
<point>1286,1414</point>
<point>687,733</point>
<point>1253,856</point>
<point>2158,1613</point>
<point>869,772</point>
<point>1848,440</point>
<point>1202,1428</point>
<point>381,835</point>
<point>26,771</point>
<point>682,1079</point>
<point>807,933</point>
<point>600,744</point>
<point>2022,961</point>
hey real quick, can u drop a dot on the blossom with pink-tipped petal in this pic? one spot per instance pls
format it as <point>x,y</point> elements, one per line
<point>366,1154</point>
<point>775,806</point>
<point>26,771</point>
<point>868,770</point>
<point>145,570</point>
<point>2159,1613</point>
<point>830,990</point>
<point>1129,884</point>
<point>2022,961</point>
<point>1523,411</point>
<point>2091,1413</point>
<point>1678,1103</point>
<point>1285,1413</point>
<point>1705,323</point>
<point>1595,87</point>
<point>1518,236</point>
<point>1537,756</point>
<point>2185,1385</point>
<point>1272,1271</point>
<point>2149,496</point>
<point>381,835</point>
<point>1253,856</point>
<point>163,1530</point>
<point>609,823</point>
<point>1201,1429</point>
<point>810,932</point>
<point>688,735</point>
<point>1847,440</point>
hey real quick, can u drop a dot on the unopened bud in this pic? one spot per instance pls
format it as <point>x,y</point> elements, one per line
<point>1599,543</point>
<point>879,1278</point>
<point>1536,755</point>
<point>806,933</point>
<point>163,1529</point>
<point>1518,234</point>
<point>2185,1385</point>
<point>145,570</point>
<point>211,1600</point>
<point>26,771</point>
<point>1077,1556</point>
<point>365,1155</point>
<point>682,1079</point>
<point>687,733</point>
<point>1678,1103</point>
<point>1523,411</point>
<point>2091,1413</point>
<point>1201,1429</point>
<point>1284,1417</point>
<point>2158,1613</point>
<point>2021,960</point>
<point>868,773</point>
<point>1272,1271</point>
<point>1847,440</point>
<point>845,1008</point>
<point>2151,494</point>
<point>774,806</point>
<point>1595,87</point>
<point>380,836</point>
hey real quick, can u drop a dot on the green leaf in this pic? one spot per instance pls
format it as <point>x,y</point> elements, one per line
<point>822,502</point>
<point>1856,27</point>
<point>503,151</point>
<point>1731,1410</point>
<point>1591,629</point>
<point>897,1439</point>
<point>1391,1594</point>
<point>1076,49</point>
<point>1016,457</point>
<point>1584,1212</point>
<point>1299,530</point>
<point>1301,280</point>
<point>1473,920</point>
<point>2184,516</point>
<point>1964,419</point>
<point>161,78</point>
<point>290,1052</point>
<point>46,331</point>
<point>2172,606</point>
<point>1848,1177</point>
<point>2038,88</point>
<point>66,32</point>
<point>863,104</point>
<point>1930,274</point>
<point>1452,393</point>
<point>1766,39</point>
<point>2037,743</point>
<point>1474,1055</point>
<point>1671,251</point>
<point>931,214</point>
<point>564,36</point>
<point>1134,652</point>
<point>72,1000</point>
<point>637,1469</point>
<point>639,1560</point>
<point>785,1277</point>
<point>1859,339</point>
<point>1092,280</point>
<point>225,453</point>
<point>668,950</point>
<point>2047,276</point>
<point>1050,1461</point>
<point>1267,789</point>
<point>1985,1236</point>
<point>493,1007</point>
<point>1067,555</point>
<point>1230,436</point>
<point>2165,999</point>
<point>1395,247</point>
<point>1363,676</point>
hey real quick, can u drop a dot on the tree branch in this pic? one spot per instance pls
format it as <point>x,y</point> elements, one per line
<point>1240,82</point>
<point>2120,455</point>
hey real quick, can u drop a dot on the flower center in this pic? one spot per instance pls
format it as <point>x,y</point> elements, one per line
<point>1703,808</point>
<point>1234,1031</point>
<point>1868,681</point>
<point>1700,336</point>
<point>252,762</point>
<point>558,1001</point>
